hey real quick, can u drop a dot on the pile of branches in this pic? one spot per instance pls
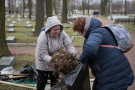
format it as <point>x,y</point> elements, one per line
<point>63,62</point>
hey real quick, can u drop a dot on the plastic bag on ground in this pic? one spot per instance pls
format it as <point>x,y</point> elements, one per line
<point>30,70</point>
<point>7,70</point>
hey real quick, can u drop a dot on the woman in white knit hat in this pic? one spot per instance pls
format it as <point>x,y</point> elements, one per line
<point>49,41</point>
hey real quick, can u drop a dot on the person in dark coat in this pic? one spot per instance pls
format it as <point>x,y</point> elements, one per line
<point>95,14</point>
<point>110,66</point>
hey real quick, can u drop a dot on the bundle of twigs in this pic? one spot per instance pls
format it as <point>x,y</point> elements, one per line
<point>63,62</point>
<point>60,85</point>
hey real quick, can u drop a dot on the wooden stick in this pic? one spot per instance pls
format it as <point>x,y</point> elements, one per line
<point>16,74</point>
<point>13,77</point>
<point>19,85</point>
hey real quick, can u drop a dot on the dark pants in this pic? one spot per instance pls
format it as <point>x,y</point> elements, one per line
<point>42,79</point>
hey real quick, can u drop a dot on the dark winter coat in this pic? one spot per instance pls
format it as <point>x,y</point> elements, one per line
<point>109,65</point>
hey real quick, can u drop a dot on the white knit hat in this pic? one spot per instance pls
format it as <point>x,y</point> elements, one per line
<point>51,22</point>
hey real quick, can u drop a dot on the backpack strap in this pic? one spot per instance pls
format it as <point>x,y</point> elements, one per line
<point>109,46</point>
<point>105,45</point>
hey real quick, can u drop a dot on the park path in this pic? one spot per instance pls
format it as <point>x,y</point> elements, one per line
<point>130,55</point>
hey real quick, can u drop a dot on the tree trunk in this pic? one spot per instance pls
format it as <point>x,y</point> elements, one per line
<point>30,8</point>
<point>83,6</point>
<point>69,7</point>
<point>20,8</point>
<point>55,7</point>
<point>23,7</point>
<point>49,8</point>
<point>121,6</point>
<point>64,12</point>
<point>39,17</point>
<point>45,15</point>
<point>102,8</point>
<point>9,6</point>
<point>105,8</point>
<point>4,51</point>
<point>12,7</point>
<point>73,6</point>
<point>88,6</point>
<point>15,6</point>
<point>125,7</point>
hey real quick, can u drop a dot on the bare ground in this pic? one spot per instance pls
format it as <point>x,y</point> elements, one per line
<point>130,55</point>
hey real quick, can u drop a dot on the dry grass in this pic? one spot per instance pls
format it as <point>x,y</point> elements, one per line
<point>11,87</point>
<point>24,59</point>
<point>130,27</point>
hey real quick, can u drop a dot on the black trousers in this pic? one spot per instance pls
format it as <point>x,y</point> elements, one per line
<point>42,79</point>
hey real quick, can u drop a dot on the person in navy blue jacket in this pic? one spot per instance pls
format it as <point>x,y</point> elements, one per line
<point>110,66</point>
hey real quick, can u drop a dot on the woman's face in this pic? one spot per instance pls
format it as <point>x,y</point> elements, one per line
<point>54,31</point>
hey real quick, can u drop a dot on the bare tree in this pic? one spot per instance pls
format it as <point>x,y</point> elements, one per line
<point>110,9</point>
<point>88,6</point>
<point>23,7</point>
<point>34,6</point>
<point>20,6</point>
<point>9,6</point>
<point>125,8</point>
<point>39,17</point>
<point>121,6</point>
<point>12,6</point>
<point>49,8</point>
<point>45,8</point>
<point>104,7</point>
<point>116,6</point>
<point>69,7</point>
<point>55,7</point>
<point>64,12</point>
<point>132,6</point>
<point>15,6</point>
<point>4,51</point>
<point>73,12</point>
<point>83,6</point>
<point>30,8</point>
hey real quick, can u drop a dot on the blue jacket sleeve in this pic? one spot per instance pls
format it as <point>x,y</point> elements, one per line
<point>91,46</point>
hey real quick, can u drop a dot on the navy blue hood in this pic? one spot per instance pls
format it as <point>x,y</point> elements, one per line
<point>91,24</point>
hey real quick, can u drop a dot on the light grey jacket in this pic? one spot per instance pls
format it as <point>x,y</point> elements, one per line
<point>47,45</point>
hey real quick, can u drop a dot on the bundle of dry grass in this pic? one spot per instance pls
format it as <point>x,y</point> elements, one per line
<point>60,85</point>
<point>63,62</point>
